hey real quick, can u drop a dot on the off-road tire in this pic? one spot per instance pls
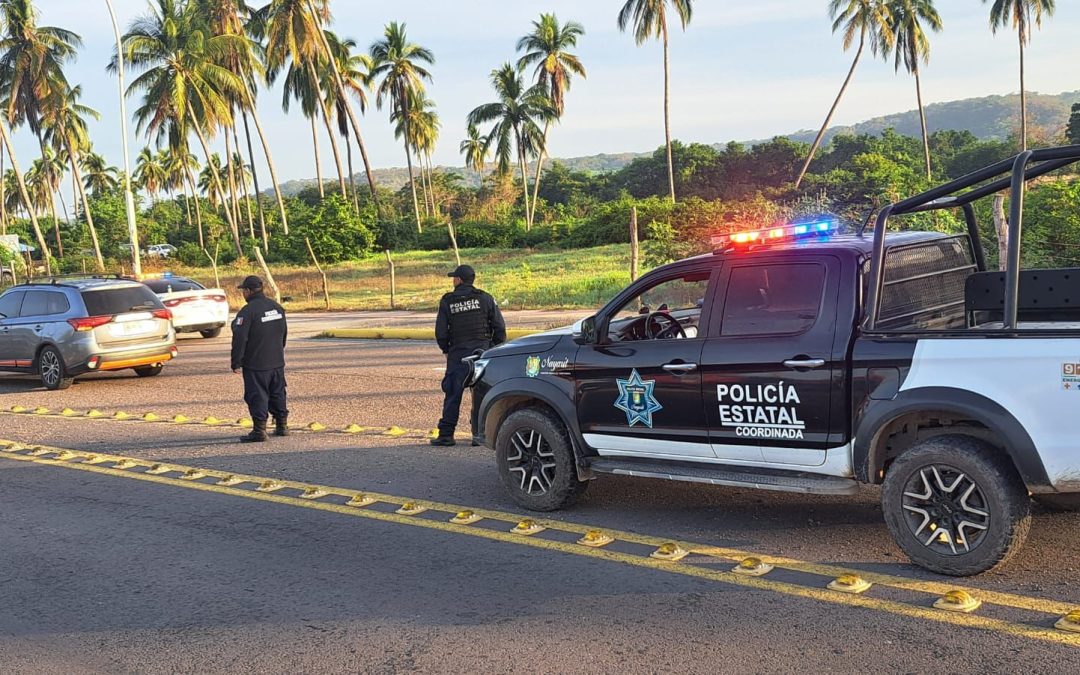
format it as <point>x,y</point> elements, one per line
<point>558,487</point>
<point>1004,497</point>
<point>51,369</point>
<point>149,371</point>
<point>210,333</point>
<point>1059,503</point>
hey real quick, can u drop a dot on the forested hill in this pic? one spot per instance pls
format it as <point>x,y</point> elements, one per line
<point>988,117</point>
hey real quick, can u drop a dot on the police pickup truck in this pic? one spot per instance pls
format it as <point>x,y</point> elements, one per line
<point>802,359</point>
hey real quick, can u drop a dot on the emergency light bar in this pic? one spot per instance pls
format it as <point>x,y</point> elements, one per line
<point>772,234</point>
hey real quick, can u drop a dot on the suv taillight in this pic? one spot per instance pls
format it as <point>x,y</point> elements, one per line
<point>163,314</point>
<point>89,323</point>
<point>219,298</point>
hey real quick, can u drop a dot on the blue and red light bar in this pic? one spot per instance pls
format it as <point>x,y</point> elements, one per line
<point>775,234</point>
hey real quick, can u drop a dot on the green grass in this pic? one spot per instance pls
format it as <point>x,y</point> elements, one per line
<point>519,279</point>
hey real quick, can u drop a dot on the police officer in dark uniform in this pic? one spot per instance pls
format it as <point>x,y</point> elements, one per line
<point>469,321</point>
<point>259,333</point>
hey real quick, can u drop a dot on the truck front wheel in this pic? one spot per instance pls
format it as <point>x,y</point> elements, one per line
<point>536,461</point>
<point>955,506</point>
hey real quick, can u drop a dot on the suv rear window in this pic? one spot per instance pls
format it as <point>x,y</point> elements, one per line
<point>175,285</point>
<point>108,301</point>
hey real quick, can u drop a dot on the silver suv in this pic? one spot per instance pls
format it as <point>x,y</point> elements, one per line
<point>61,328</point>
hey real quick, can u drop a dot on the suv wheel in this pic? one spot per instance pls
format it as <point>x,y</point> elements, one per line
<point>52,370</point>
<point>149,371</point>
<point>955,505</point>
<point>536,461</point>
<point>211,333</point>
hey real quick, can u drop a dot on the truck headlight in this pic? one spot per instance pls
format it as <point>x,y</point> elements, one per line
<point>477,366</point>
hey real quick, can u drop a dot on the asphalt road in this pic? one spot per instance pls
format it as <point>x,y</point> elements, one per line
<point>100,572</point>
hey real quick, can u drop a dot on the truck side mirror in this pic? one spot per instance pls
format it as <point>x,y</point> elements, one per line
<point>587,335</point>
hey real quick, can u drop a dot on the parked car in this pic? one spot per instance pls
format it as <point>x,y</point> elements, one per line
<point>161,251</point>
<point>60,328</point>
<point>195,308</point>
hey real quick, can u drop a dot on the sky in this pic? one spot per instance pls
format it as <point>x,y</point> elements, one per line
<point>740,71</point>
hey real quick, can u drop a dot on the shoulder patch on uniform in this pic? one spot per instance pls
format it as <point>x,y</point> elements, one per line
<point>239,321</point>
<point>272,315</point>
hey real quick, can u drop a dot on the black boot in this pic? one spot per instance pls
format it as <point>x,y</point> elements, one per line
<point>444,441</point>
<point>257,435</point>
<point>281,426</point>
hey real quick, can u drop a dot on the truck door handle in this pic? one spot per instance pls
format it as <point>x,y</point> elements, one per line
<point>804,363</point>
<point>680,368</point>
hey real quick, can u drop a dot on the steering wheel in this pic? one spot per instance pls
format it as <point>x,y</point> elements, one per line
<point>666,327</point>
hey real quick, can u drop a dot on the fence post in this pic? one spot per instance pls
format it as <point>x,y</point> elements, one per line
<point>325,288</point>
<point>634,248</point>
<point>393,281</point>
<point>1001,227</point>
<point>269,277</point>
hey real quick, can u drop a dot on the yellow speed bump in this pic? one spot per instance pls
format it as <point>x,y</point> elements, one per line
<point>211,421</point>
<point>465,518</point>
<point>66,455</point>
<point>395,431</point>
<point>1069,622</point>
<point>39,452</point>
<point>411,509</point>
<point>230,481</point>
<point>354,429</point>
<point>121,415</point>
<point>150,417</point>
<point>180,419</point>
<point>958,601</point>
<point>40,410</point>
<point>68,412</point>
<point>595,539</point>
<point>315,426</point>
<point>669,552</point>
<point>434,433</point>
<point>9,447</point>
<point>245,423</point>
<point>850,583</point>
<point>18,409</point>
<point>159,469</point>
<point>527,527</point>
<point>193,474</point>
<point>752,567</point>
<point>94,413</point>
<point>360,500</point>
<point>269,486</point>
<point>313,493</point>
<point>125,464</point>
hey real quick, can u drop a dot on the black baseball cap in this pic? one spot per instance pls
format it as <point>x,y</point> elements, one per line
<point>252,283</point>
<point>464,272</point>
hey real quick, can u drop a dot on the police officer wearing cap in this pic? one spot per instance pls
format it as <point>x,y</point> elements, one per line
<point>259,333</point>
<point>469,321</point>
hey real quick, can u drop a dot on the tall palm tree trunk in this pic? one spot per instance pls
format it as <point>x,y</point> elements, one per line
<point>56,227</point>
<point>408,160</point>
<point>3,197</point>
<point>922,122</point>
<point>431,184</point>
<point>77,176</point>
<point>198,206</point>
<point>352,176</point>
<point>233,197</point>
<point>243,183</point>
<point>524,179</point>
<point>187,207</point>
<point>269,164</point>
<point>539,168</point>
<point>217,183</point>
<point>832,111</point>
<point>337,156</point>
<point>318,159</point>
<point>424,183</point>
<point>667,111</point>
<point>1023,98</point>
<point>255,180</point>
<point>344,96</point>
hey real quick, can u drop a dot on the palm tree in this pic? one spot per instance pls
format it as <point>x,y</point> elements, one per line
<point>867,19</point>
<point>515,115</point>
<point>182,166</point>
<point>150,173</point>
<point>98,176</point>
<point>400,65</point>
<point>65,128</point>
<point>354,68</point>
<point>294,30</point>
<point>420,122</point>
<point>211,187</point>
<point>1023,15</point>
<point>24,193</point>
<point>44,179</point>
<point>912,46</point>
<point>476,150</point>
<point>184,87</point>
<point>546,47</point>
<point>649,19</point>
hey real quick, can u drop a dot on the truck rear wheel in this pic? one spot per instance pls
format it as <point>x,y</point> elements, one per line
<point>955,505</point>
<point>536,461</point>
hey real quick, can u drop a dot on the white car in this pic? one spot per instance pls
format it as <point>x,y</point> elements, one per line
<point>161,251</point>
<point>195,308</point>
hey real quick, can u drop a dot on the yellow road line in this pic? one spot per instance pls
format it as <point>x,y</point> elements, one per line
<point>312,493</point>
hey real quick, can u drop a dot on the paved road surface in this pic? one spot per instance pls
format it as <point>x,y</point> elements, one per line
<point>106,571</point>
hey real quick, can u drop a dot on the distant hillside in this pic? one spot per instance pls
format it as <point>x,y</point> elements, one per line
<point>988,117</point>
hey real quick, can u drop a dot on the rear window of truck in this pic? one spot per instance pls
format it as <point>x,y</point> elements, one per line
<point>923,288</point>
<point>112,301</point>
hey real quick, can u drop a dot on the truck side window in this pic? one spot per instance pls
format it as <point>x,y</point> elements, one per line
<point>674,306</point>
<point>772,299</point>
